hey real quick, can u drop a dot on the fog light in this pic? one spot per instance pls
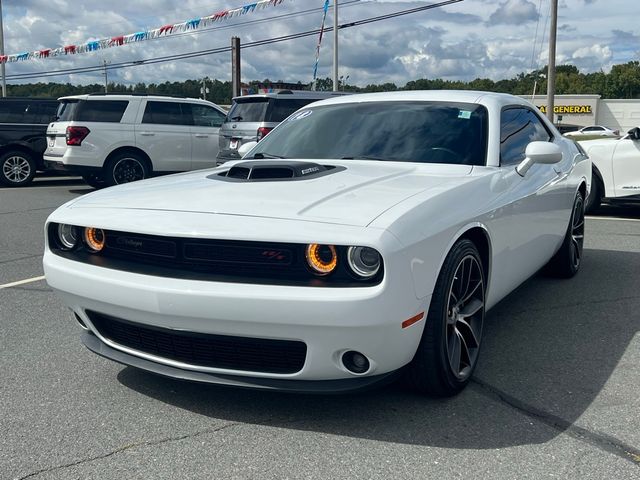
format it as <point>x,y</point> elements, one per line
<point>355,362</point>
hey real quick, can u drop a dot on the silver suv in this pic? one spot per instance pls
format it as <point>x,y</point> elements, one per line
<point>251,117</point>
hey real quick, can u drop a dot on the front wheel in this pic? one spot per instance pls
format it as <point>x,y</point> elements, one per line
<point>450,344</point>
<point>17,169</point>
<point>125,168</point>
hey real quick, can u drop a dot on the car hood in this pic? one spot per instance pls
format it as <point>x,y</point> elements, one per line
<point>354,195</point>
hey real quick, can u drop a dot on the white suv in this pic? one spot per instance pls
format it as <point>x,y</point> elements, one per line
<point>115,138</point>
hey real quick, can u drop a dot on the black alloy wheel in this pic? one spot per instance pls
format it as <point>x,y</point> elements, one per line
<point>125,168</point>
<point>450,344</point>
<point>567,260</point>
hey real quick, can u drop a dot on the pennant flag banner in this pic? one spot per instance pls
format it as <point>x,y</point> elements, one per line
<point>166,30</point>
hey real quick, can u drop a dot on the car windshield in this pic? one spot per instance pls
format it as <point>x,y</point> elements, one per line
<point>427,132</point>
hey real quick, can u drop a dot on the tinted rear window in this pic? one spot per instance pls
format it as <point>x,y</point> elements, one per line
<point>66,110</point>
<point>280,109</point>
<point>250,110</point>
<point>13,111</point>
<point>101,110</point>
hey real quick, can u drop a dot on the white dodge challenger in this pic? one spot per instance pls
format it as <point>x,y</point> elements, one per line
<point>366,236</point>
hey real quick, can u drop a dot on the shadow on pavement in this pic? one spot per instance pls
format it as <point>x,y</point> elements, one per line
<point>628,210</point>
<point>552,344</point>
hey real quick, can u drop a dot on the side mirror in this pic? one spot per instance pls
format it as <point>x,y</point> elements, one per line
<point>539,152</point>
<point>634,133</point>
<point>245,147</point>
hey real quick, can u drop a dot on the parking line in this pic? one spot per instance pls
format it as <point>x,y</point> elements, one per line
<point>21,282</point>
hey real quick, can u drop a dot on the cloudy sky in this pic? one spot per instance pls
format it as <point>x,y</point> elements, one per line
<point>462,41</point>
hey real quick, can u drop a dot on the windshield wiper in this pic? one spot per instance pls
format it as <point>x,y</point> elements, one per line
<point>266,155</point>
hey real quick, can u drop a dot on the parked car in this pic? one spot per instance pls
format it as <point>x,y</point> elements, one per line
<point>567,127</point>
<point>616,170</point>
<point>23,124</point>
<point>364,237</point>
<point>116,138</point>
<point>251,117</point>
<point>594,130</point>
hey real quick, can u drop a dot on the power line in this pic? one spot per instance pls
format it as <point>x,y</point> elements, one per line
<point>258,43</point>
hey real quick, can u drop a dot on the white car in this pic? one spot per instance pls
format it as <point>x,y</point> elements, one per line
<point>616,170</point>
<point>111,139</point>
<point>365,237</point>
<point>594,130</point>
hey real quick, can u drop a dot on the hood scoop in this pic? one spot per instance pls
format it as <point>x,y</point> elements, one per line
<point>276,170</point>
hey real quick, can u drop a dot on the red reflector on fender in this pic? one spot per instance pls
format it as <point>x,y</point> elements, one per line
<point>410,321</point>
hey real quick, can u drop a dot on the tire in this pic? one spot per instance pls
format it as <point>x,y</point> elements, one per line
<point>95,181</point>
<point>17,169</point>
<point>595,196</point>
<point>567,260</point>
<point>450,345</point>
<point>124,168</point>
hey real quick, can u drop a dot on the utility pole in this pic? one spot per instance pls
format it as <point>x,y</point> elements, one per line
<point>106,79</point>
<point>335,46</point>
<point>551,74</point>
<point>235,66</point>
<point>2,67</point>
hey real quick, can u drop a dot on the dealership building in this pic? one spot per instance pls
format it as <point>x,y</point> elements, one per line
<point>584,110</point>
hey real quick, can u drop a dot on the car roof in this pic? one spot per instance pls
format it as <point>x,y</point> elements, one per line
<point>489,99</point>
<point>126,96</point>
<point>294,94</point>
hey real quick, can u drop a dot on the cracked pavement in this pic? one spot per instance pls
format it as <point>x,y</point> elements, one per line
<point>555,394</point>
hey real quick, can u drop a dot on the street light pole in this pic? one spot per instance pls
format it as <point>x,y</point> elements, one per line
<point>2,66</point>
<point>335,45</point>
<point>551,74</point>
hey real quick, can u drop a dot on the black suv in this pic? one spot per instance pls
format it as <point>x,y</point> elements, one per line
<point>23,127</point>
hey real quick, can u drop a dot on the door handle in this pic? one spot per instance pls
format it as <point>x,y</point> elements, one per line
<point>147,134</point>
<point>201,135</point>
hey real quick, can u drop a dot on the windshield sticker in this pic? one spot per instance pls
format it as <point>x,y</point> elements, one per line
<point>298,116</point>
<point>466,114</point>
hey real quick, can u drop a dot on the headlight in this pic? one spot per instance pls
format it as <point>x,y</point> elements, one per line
<point>94,238</point>
<point>67,236</point>
<point>364,261</point>
<point>322,258</point>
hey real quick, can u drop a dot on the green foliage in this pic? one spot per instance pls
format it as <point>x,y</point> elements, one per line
<point>622,82</point>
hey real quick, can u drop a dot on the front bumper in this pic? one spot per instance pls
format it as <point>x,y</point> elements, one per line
<point>330,321</point>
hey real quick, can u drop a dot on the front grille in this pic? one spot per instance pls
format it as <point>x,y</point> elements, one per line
<point>204,350</point>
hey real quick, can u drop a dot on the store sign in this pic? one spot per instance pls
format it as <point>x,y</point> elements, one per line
<point>568,109</point>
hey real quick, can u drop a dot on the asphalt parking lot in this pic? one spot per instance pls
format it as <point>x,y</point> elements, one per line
<point>556,394</point>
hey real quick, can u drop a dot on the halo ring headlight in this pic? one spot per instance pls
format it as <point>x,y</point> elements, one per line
<point>94,238</point>
<point>322,259</point>
<point>365,262</point>
<point>67,236</point>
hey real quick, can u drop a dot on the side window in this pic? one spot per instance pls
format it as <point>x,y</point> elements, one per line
<point>518,128</point>
<point>13,111</point>
<point>206,116</point>
<point>101,111</point>
<point>167,113</point>
<point>282,108</point>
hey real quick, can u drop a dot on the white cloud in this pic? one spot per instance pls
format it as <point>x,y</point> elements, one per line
<point>465,40</point>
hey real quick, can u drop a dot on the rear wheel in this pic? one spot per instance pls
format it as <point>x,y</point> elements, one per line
<point>566,262</point>
<point>450,344</point>
<point>17,169</point>
<point>594,199</point>
<point>124,168</point>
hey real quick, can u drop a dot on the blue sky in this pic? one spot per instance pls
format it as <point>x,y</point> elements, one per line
<point>463,41</point>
